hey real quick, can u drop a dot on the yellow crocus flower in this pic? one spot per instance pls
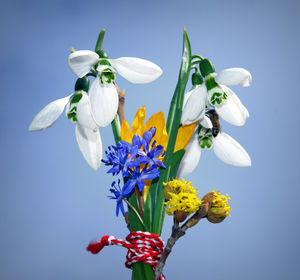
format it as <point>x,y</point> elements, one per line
<point>158,121</point>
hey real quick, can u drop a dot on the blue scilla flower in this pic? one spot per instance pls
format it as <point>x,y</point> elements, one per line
<point>151,153</point>
<point>120,157</point>
<point>137,178</point>
<point>118,196</point>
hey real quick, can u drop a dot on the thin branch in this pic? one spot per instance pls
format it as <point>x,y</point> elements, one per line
<point>134,210</point>
<point>121,111</point>
<point>140,201</point>
<point>178,232</point>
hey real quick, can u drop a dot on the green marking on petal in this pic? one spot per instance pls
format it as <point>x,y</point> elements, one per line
<point>72,108</point>
<point>107,76</point>
<point>72,117</point>
<point>217,98</point>
<point>205,137</point>
<point>210,83</point>
<point>76,98</point>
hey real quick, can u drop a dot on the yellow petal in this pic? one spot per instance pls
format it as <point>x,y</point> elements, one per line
<point>146,189</point>
<point>164,138</point>
<point>184,135</point>
<point>125,132</point>
<point>158,121</point>
<point>138,122</point>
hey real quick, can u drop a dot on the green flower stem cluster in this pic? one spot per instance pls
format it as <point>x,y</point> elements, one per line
<point>154,211</point>
<point>140,270</point>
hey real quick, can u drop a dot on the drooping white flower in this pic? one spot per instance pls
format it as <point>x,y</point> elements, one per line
<point>214,92</point>
<point>87,132</point>
<point>209,136</point>
<point>223,99</point>
<point>194,102</point>
<point>103,94</point>
<point>192,154</point>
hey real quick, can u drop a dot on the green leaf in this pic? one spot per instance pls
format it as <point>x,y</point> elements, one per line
<point>147,219</point>
<point>177,157</point>
<point>173,122</point>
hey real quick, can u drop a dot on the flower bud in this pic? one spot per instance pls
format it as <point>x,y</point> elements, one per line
<point>180,216</point>
<point>203,209</point>
<point>218,206</point>
<point>197,79</point>
<point>206,67</point>
<point>82,84</point>
<point>181,199</point>
<point>102,54</point>
<point>215,220</point>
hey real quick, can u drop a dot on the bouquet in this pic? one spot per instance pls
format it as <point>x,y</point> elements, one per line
<point>150,160</point>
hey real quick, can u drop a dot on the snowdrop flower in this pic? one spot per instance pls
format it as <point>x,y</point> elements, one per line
<point>215,93</point>
<point>225,147</point>
<point>224,100</point>
<point>103,94</point>
<point>78,110</point>
<point>195,101</point>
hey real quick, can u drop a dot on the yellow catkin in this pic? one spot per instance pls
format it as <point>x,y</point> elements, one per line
<point>181,196</point>
<point>220,207</point>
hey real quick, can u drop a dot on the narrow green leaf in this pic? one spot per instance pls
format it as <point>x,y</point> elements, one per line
<point>116,129</point>
<point>173,122</point>
<point>177,157</point>
<point>147,219</point>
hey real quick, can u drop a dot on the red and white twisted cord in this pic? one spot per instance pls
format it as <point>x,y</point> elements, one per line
<point>142,246</point>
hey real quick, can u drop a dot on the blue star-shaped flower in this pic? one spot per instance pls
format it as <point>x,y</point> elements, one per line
<point>138,177</point>
<point>118,196</point>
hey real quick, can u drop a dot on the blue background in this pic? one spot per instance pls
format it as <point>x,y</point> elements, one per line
<point>52,203</point>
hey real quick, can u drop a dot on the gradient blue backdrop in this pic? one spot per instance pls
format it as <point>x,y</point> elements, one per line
<point>52,203</point>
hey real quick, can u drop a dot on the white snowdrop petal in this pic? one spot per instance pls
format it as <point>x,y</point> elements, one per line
<point>232,110</point>
<point>104,102</point>
<point>230,151</point>
<point>81,62</point>
<point>49,114</point>
<point>136,70</point>
<point>90,145</point>
<point>84,113</point>
<point>246,112</point>
<point>234,76</point>
<point>186,96</point>
<point>194,108</point>
<point>190,159</point>
<point>206,122</point>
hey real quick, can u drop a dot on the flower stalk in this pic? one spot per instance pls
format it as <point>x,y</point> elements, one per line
<point>135,220</point>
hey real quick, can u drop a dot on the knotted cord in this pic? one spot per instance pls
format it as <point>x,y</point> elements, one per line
<point>142,246</point>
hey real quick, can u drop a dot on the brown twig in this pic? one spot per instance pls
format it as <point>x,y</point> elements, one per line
<point>134,210</point>
<point>121,111</point>
<point>140,200</point>
<point>178,232</point>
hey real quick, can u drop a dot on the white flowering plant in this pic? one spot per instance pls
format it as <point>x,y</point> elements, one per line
<point>150,160</point>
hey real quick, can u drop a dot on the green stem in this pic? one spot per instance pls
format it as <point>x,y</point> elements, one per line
<point>173,123</point>
<point>141,271</point>
<point>197,56</point>
<point>100,41</point>
<point>116,129</point>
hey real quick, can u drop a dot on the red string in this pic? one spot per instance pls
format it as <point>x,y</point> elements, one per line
<point>142,246</point>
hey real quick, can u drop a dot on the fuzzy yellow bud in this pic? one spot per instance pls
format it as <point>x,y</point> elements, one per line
<point>219,208</point>
<point>181,198</point>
